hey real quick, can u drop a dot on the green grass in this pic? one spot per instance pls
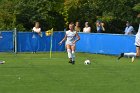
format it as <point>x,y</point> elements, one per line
<point>36,73</point>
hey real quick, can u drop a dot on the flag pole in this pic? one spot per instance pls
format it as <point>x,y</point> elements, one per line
<point>15,40</point>
<point>51,43</point>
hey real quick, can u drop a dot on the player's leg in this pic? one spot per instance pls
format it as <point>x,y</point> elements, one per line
<point>120,56</point>
<point>73,53</point>
<point>131,54</point>
<point>138,51</point>
<point>69,52</point>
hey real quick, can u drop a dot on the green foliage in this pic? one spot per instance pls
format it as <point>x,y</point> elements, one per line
<point>23,13</point>
<point>137,7</point>
<point>6,15</point>
<point>46,12</point>
<point>58,13</point>
<point>114,13</point>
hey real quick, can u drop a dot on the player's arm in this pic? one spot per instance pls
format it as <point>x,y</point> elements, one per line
<point>78,38</point>
<point>33,29</point>
<point>89,29</point>
<point>63,40</point>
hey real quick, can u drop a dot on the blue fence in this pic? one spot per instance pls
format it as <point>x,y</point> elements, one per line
<point>105,43</point>
<point>6,42</point>
<point>91,43</point>
<point>28,42</point>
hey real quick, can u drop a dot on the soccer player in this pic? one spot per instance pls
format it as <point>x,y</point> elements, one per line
<point>137,43</point>
<point>71,38</point>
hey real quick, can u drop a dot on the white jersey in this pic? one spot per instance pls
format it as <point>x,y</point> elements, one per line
<point>129,30</point>
<point>38,30</point>
<point>137,39</point>
<point>71,35</point>
<point>86,29</point>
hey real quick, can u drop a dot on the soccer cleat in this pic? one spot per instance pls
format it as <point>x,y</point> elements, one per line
<point>73,62</point>
<point>70,61</point>
<point>133,58</point>
<point>121,55</point>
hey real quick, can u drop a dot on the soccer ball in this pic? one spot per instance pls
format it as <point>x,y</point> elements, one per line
<point>87,62</point>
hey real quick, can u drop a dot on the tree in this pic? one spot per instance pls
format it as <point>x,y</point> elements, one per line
<point>58,13</point>
<point>23,13</point>
<point>44,11</point>
<point>8,15</point>
<point>137,9</point>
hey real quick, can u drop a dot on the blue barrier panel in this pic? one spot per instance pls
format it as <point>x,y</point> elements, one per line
<point>29,42</point>
<point>105,43</point>
<point>91,43</point>
<point>6,42</point>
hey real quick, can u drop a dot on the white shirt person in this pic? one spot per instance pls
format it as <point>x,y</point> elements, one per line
<point>71,38</point>
<point>87,29</point>
<point>37,29</point>
<point>129,29</point>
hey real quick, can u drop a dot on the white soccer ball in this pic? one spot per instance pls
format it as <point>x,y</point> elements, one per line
<point>87,62</point>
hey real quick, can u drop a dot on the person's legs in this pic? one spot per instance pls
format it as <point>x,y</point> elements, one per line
<point>138,51</point>
<point>120,56</point>
<point>131,54</point>
<point>69,53</point>
<point>73,53</point>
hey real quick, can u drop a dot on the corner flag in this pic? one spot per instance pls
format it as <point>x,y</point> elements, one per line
<point>50,33</point>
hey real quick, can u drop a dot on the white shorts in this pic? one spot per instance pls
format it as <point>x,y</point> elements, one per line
<point>69,43</point>
<point>137,41</point>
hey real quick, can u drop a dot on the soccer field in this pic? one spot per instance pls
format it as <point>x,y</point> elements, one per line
<point>36,73</point>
